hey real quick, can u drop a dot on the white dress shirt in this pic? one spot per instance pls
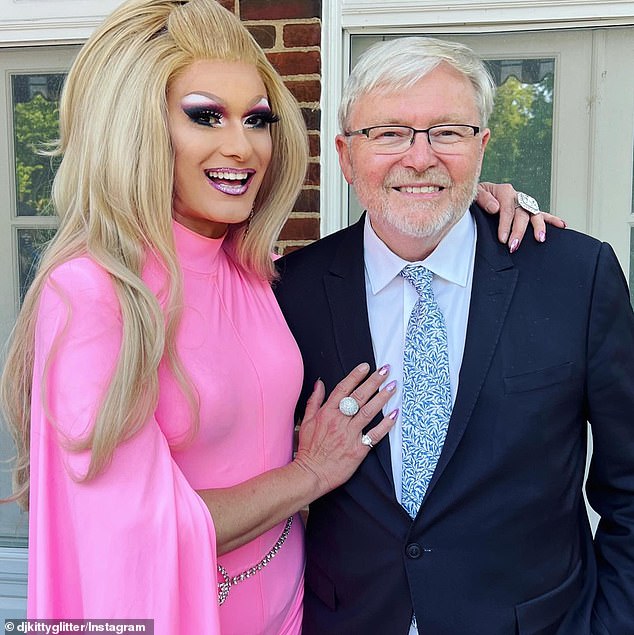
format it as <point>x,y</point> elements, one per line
<point>391,299</point>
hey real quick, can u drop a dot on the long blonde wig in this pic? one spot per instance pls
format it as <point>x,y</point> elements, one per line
<point>113,194</point>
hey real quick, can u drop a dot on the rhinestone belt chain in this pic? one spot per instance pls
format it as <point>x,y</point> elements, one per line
<point>227,582</point>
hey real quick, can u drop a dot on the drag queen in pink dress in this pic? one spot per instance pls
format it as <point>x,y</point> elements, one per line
<point>151,381</point>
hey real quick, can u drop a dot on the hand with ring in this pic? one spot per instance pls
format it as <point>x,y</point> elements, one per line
<point>349,406</point>
<point>516,210</point>
<point>332,442</point>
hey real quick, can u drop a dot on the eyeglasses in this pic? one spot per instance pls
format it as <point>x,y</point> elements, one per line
<point>444,139</point>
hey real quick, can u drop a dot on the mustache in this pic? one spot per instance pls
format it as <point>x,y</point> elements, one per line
<point>409,177</point>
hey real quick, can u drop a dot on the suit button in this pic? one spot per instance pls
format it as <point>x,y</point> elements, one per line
<point>413,551</point>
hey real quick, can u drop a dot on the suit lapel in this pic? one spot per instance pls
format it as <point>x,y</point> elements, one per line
<point>494,280</point>
<point>345,289</point>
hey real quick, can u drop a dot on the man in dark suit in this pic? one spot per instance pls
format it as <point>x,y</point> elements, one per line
<point>539,342</point>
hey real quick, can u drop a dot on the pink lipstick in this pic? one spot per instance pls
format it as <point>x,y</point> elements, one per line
<point>230,181</point>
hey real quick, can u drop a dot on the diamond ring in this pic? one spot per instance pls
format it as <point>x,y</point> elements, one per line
<point>366,440</point>
<point>527,203</point>
<point>349,406</point>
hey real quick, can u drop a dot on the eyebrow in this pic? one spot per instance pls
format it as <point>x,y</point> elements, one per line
<point>436,121</point>
<point>261,105</point>
<point>191,99</point>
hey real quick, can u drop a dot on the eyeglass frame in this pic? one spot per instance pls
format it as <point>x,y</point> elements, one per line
<point>365,132</point>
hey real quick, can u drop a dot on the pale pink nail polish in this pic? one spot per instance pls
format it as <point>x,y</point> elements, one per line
<point>542,237</point>
<point>384,370</point>
<point>393,414</point>
<point>514,245</point>
<point>391,386</point>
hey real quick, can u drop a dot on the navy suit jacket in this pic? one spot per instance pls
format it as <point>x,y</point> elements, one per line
<point>502,543</point>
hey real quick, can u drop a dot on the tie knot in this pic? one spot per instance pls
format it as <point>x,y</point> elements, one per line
<point>419,276</point>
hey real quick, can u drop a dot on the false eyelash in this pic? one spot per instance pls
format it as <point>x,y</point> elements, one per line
<point>265,116</point>
<point>196,113</point>
<point>260,119</point>
<point>268,117</point>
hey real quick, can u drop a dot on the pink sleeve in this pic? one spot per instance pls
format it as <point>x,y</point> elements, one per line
<point>136,542</point>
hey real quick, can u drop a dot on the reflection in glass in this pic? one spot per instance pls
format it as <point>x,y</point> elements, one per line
<point>520,149</point>
<point>35,125</point>
<point>30,244</point>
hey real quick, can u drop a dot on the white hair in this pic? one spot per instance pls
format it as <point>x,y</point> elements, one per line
<point>398,64</point>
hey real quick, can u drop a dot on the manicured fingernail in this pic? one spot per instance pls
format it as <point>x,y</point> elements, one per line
<point>384,370</point>
<point>514,245</point>
<point>542,237</point>
<point>393,414</point>
<point>504,237</point>
<point>363,368</point>
<point>391,386</point>
<point>565,224</point>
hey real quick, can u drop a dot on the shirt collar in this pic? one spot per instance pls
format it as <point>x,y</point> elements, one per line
<point>447,261</point>
<point>196,252</point>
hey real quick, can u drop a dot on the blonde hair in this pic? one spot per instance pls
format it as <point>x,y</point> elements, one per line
<point>113,193</point>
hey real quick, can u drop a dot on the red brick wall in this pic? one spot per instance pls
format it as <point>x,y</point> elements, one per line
<point>290,33</point>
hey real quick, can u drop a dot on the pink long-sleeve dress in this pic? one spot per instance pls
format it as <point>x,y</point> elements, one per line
<point>137,542</point>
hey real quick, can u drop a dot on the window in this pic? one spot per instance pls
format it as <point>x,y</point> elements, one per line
<point>29,98</point>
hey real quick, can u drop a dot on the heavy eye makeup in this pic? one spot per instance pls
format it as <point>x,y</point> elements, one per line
<point>205,112</point>
<point>260,118</point>
<point>202,110</point>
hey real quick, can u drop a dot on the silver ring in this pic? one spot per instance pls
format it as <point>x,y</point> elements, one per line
<point>366,440</point>
<point>349,406</point>
<point>527,203</point>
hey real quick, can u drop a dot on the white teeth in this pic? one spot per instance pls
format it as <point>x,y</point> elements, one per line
<point>425,189</point>
<point>227,176</point>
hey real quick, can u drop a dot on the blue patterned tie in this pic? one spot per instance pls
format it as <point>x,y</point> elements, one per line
<point>426,406</point>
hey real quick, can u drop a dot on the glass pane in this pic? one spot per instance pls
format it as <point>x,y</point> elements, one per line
<point>30,244</point>
<point>520,149</point>
<point>13,521</point>
<point>35,125</point>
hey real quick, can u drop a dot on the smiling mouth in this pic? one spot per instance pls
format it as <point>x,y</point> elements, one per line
<point>419,189</point>
<point>231,182</point>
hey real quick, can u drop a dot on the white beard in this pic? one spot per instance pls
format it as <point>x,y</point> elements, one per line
<point>422,219</point>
